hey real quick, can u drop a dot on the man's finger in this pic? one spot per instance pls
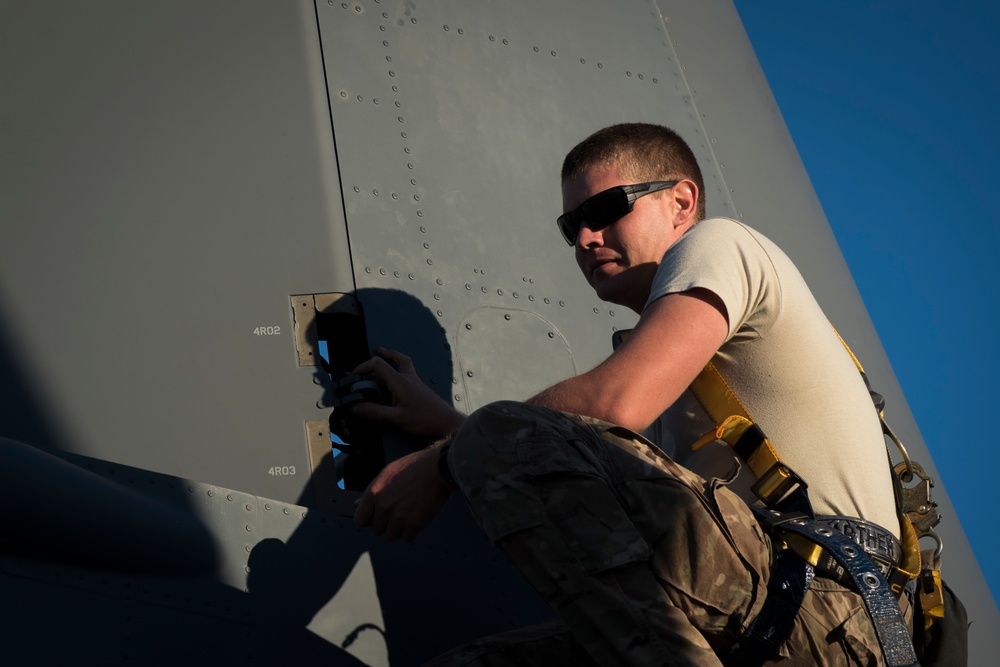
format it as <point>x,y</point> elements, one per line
<point>403,362</point>
<point>365,508</point>
<point>375,411</point>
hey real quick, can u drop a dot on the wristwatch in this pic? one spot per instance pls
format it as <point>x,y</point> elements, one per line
<point>443,468</point>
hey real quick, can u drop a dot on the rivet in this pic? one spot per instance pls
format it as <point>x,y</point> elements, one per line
<point>492,38</point>
<point>611,313</point>
<point>357,8</point>
<point>413,181</point>
<point>423,230</point>
<point>500,292</point>
<point>551,335</point>
<point>627,73</point>
<point>211,493</point>
<point>458,399</point>
<point>375,100</point>
<point>514,294</point>
<point>413,21</point>
<point>552,53</point>
<point>531,297</point>
<point>267,506</point>
<point>392,73</point>
<point>229,497</point>
<point>388,59</point>
<point>437,297</point>
<point>357,189</point>
<point>385,42</point>
<point>396,273</point>
<point>375,192</point>
<point>562,304</point>
<point>597,310</point>
<point>382,28</point>
<point>395,88</point>
<point>507,316</point>
<point>409,165</point>
<point>360,98</point>
<point>461,32</point>
<point>641,77</point>
<point>600,65</point>
<point>446,28</point>
<point>420,214</point>
<point>249,528</point>
<point>416,197</point>
<point>655,80</point>
<point>546,300</point>
<point>439,281</point>
<point>505,42</point>
<point>249,508</point>
<point>469,373</point>
<point>535,49</point>
<point>395,196</point>
<point>410,276</point>
<point>468,327</point>
<point>468,286</point>
<point>385,15</point>
<point>343,94</point>
<point>285,510</point>
<point>485,290</point>
<point>401,119</point>
<point>440,314</point>
<point>368,269</point>
<point>430,261</point>
<point>583,61</point>
<point>382,271</point>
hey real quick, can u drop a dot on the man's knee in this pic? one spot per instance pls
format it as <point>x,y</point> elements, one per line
<point>490,437</point>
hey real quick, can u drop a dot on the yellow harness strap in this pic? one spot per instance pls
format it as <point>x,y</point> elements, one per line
<point>733,423</point>
<point>730,416</point>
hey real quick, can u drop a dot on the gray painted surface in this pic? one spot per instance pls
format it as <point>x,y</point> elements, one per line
<point>171,173</point>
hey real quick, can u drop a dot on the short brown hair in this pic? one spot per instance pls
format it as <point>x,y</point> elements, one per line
<point>642,152</point>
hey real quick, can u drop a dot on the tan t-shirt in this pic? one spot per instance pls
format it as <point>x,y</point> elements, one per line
<point>788,367</point>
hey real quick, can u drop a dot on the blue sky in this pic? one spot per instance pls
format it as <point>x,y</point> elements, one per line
<point>894,107</point>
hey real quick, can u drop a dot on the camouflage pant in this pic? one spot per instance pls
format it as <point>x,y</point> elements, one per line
<point>646,562</point>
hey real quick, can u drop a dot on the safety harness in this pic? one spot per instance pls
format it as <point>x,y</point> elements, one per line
<point>857,553</point>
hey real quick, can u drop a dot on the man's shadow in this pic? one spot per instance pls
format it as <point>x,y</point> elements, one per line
<point>449,586</point>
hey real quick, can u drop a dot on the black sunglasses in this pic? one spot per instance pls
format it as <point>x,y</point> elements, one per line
<point>606,208</point>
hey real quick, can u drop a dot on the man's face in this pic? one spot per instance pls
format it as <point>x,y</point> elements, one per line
<point>620,261</point>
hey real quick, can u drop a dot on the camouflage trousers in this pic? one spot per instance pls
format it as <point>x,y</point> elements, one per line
<point>644,562</point>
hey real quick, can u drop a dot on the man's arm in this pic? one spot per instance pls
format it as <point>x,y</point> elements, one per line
<point>675,338</point>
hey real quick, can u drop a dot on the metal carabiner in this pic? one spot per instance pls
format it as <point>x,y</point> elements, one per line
<point>917,503</point>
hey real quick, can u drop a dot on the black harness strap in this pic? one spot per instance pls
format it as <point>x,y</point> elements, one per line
<point>890,627</point>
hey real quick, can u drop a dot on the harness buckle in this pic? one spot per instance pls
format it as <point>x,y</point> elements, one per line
<point>777,483</point>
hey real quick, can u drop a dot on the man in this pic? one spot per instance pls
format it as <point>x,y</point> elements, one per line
<point>652,559</point>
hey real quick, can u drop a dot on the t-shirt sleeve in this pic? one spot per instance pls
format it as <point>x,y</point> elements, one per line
<point>726,258</point>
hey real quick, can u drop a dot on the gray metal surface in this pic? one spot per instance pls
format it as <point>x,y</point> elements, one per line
<point>169,179</point>
<point>170,174</point>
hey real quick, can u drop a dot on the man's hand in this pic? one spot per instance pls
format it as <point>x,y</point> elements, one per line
<point>405,497</point>
<point>415,407</point>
